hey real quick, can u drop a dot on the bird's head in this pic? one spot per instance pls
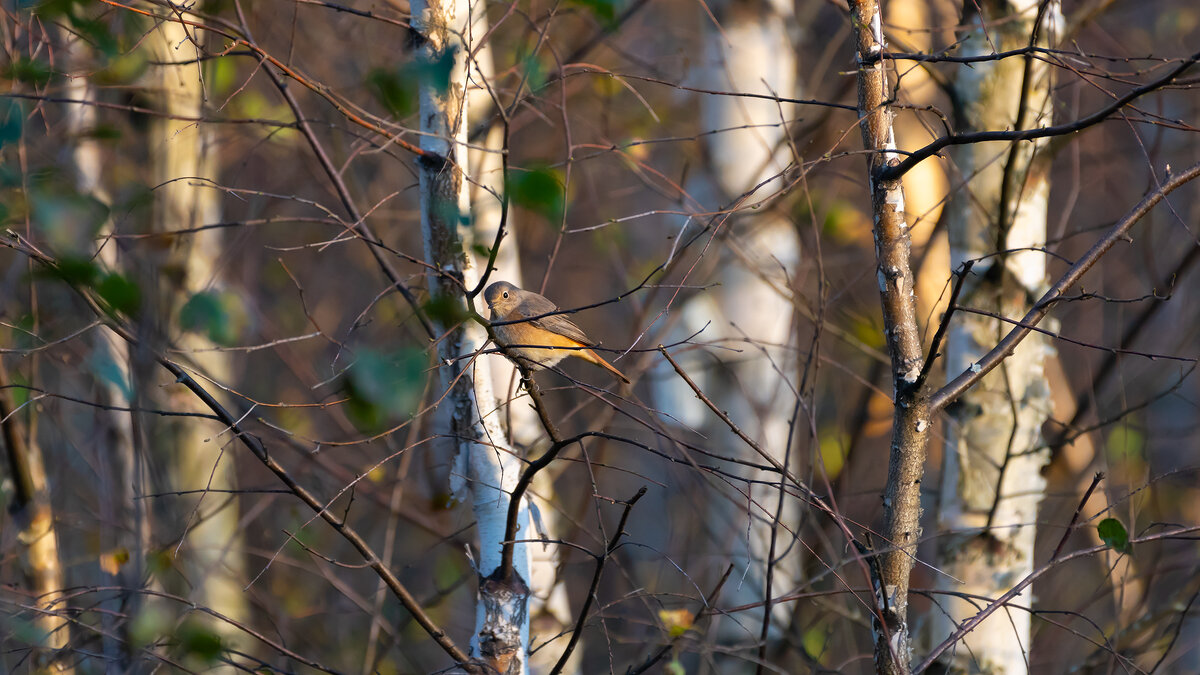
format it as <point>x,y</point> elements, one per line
<point>501,297</point>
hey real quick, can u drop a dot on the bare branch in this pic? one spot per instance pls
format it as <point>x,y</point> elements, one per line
<point>1041,308</point>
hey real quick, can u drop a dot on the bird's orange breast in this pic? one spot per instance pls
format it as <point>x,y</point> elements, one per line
<point>543,347</point>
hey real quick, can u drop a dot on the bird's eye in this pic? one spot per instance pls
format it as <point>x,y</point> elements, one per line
<point>506,294</point>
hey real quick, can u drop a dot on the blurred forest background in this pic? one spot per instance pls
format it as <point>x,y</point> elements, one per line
<point>231,187</point>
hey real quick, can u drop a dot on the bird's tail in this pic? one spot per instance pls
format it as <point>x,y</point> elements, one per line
<point>595,358</point>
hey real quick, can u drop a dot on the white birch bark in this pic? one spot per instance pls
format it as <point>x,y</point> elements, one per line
<point>991,475</point>
<point>198,457</point>
<point>486,465</point>
<point>548,600</point>
<point>750,304</point>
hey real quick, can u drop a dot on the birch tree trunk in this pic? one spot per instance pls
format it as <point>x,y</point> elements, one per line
<point>991,474</point>
<point>197,457</point>
<point>123,537</point>
<point>486,464</point>
<point>38,538</point>
<point>548,600</point>
<point>749,304</point>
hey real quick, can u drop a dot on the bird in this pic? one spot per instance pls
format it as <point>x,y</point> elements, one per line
<point>543,341</point>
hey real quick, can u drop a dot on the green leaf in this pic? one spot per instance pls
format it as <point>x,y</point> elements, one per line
<point>448,571</point>
<point>10,177</point>
<point>538,189</point>
<point>437,72</point>
<point>816,641</point>
<point>394,89</point>
<point>25,632</point>
<point>397,89</point>
<point>12,122</point>
<point>222,75</point>
<point>1113,533</point>
<point>97,34</point>
<point>121,294</point>
<point>445,309</point>
<point>536,71</point>
<point>832,444</point>
<point>122,69</point>
<point>76,271</point>
<point>160,562</point>
<point>211,314</point>
<point>30,71</point>
<point>20,386</point>
<point>102,132</point>
<point>382,386</point>
<point>199,640</point>
<point>148,625</point>
<point>22,337</point>
<point>482,250</point>
<point>302,537</point>
<point>53,9</point>
<point>605,11</point>
<point>67,219</point>
<point>1125,442</point>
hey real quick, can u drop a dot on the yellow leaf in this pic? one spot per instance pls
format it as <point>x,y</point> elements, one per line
<point>637,150</point>
<point>677,621</point>
<point>112,561</point>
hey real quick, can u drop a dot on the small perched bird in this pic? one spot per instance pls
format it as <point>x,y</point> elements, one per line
<point>544,341</point>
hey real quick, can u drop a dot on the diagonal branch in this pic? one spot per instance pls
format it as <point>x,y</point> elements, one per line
<point>335,177</point>
<point>256,446</point>
<point>1041,308</point>
<point>895,171</point>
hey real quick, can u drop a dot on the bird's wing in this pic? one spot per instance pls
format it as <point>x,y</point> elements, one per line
<point>555,323</point>
<point>563,326</point>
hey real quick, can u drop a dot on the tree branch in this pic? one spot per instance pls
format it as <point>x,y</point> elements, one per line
<point>1041,308</point>
<point>893,172</point>
<point>259,450</point>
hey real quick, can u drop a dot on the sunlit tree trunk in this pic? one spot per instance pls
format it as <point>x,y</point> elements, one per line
<point>195,454</point>
<point>122,544</point>
<point>925,186</point>
<point>486,465</point>
<point>38,538</point>
<point>549,604</point>
<point>991,476</point>
<point>749,303</point>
